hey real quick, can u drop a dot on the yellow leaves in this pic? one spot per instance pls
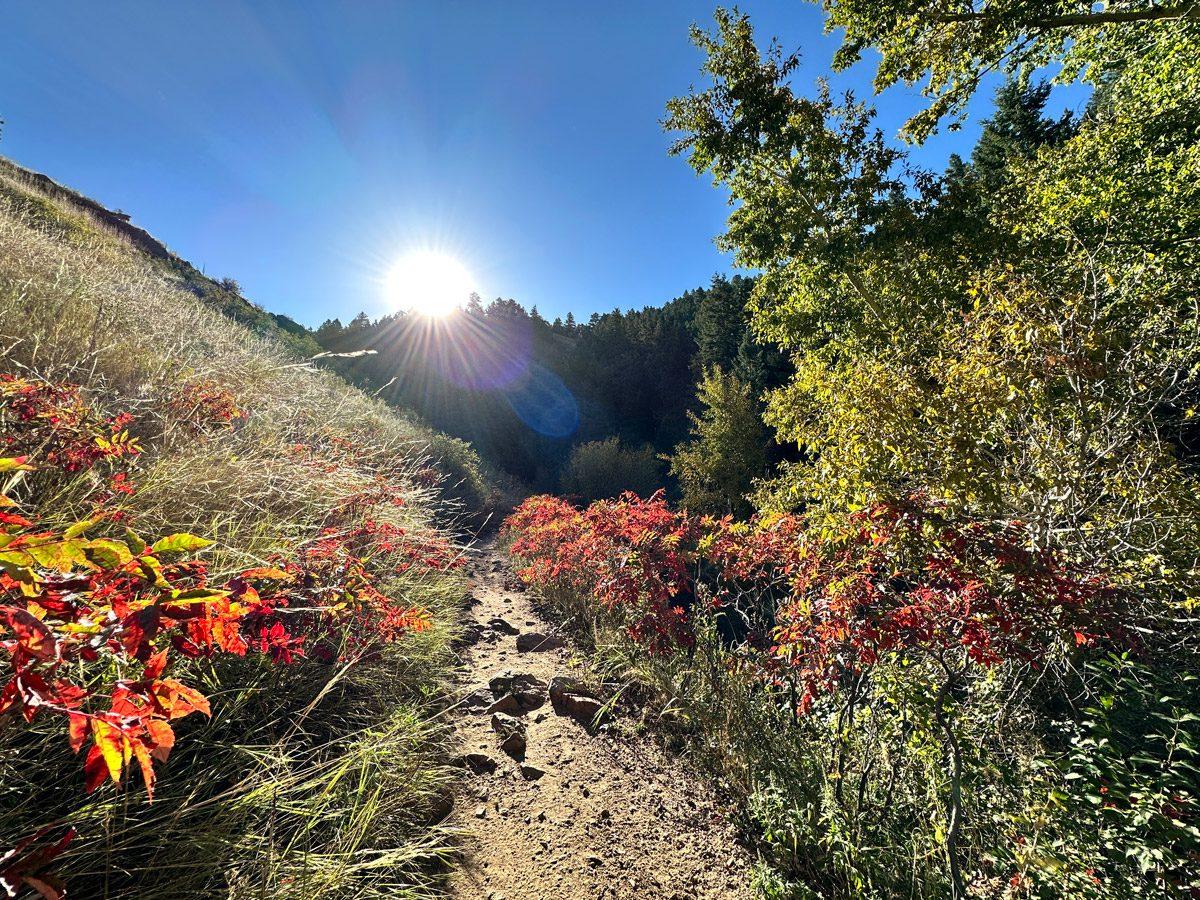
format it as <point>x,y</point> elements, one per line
<point>120,443</point>
<point>181,542</point>
<point>107,553</point>
<point>266,573</point>
<point>15,464</point>
<point>114,748</point>
<point>202,595</point>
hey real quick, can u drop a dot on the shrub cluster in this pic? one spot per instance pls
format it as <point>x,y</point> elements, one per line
<point>894,651</point>
<point>93,617</point>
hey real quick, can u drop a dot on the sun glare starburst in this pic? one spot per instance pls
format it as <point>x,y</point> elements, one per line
<point>429,283</point>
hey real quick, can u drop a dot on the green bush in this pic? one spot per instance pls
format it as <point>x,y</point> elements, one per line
<point>602,469</point>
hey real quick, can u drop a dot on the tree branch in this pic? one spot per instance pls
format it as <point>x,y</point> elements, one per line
<point>1159,13</point>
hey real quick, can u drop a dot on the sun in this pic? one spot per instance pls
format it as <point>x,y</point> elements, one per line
<point>429,283</point>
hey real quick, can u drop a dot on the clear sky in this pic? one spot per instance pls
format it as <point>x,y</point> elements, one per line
<point>301,147</point>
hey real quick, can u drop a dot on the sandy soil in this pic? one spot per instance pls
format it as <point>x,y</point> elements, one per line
<point>582,812</point>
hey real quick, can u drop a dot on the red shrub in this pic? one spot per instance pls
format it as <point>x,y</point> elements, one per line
<point>893,579</point>
<point>633,555</point>
<point>203,404</point>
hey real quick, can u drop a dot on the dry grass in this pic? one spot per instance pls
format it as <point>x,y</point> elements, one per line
<point>308,781</point>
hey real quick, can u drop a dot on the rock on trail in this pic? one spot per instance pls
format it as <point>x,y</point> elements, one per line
<point>554,802</point>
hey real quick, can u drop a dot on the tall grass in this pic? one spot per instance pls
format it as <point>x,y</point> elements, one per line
<point>309,780</point>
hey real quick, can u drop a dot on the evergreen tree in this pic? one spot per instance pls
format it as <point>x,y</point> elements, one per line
<point>716,468</point>
<point>1016,130</point>
<point>721,322</point>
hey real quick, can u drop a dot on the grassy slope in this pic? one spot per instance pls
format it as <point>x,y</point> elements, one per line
<point>309,780</point>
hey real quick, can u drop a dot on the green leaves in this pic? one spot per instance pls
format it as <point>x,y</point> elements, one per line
<point>180,543</point>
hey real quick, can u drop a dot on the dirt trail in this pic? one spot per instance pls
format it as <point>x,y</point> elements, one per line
<point>580,813</point>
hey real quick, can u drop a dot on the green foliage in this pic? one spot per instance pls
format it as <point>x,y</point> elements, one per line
<point>1015,340</point>
<point>727,450</point>
<point>720,322</point>
<point>601,469</point>
<point>949,44</point>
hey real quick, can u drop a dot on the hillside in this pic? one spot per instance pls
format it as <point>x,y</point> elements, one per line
<point>253,584</point>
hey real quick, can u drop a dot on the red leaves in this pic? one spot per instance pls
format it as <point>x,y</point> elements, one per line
<point>34,640</point>
<point>633,555</point>
<point>55,420</point>
<point>24,866</point>
<point>88,599</point>
<point>203,404</point>
<point>78,606</point>
<point>892,579</point>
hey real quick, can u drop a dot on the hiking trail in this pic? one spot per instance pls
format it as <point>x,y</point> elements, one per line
<point>553,806</point>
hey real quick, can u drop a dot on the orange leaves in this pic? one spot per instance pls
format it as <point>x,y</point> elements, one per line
<point>136,727</point>
<point>79,603</point>
<point>817,602</point>
<point>176,700</point>
<point>86,598</point>
<point>109,747</point>
<point>69,598</point>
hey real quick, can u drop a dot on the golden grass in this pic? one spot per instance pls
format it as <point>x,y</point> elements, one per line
<point>309,780</point>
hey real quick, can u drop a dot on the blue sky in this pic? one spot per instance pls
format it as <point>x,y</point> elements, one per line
<point>301,147</point>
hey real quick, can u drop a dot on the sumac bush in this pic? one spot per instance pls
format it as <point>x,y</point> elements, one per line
<point>94,618</point>
<point>909,681</point>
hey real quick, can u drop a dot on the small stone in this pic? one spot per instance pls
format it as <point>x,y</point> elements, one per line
<point>480,812</point>
<point>506,704</point>
<point>512,734</point>
<point>479,763</point>
<point>498,624</point>
<point>561,685</point>
<point>480,697</point>
<point>514,683</point>
<point>581,707</point>
<point>534,641</point>
<point>531,773</point>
